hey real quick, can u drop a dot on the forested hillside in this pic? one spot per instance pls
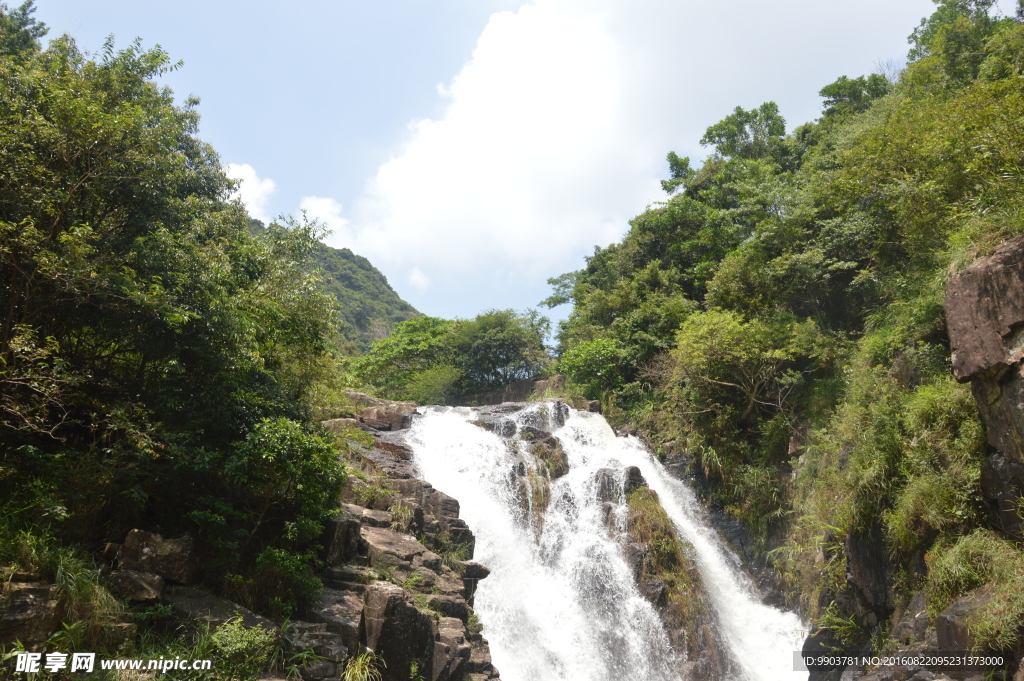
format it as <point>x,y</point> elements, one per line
<point>778,320</point>
<point>367,305</point>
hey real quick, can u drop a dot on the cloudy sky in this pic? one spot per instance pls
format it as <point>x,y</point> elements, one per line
<point>473,148</point>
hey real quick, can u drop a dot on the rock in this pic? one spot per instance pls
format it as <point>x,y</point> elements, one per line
<point>951,626</point>
<point>397,630</point>
<point>312,636</point>
<point>139,587</point>
<point>339,426</point>
<point>634,479</point>
<point>199,605</point>
<point>340,540</point>
<point>913,624</point>
<point>324,669</point>
<point>28,613</point>
<point>1002,485</point>
<point>382,414</point>
<point>593,406</point>
<point>867,571</point>
<point>451,651</point>
<point>549,386</point>
<point>172,559</point>
<point>608,485</point>
<point>450,606</point>
<point>341,613</point>
<point>984,313</point>
<point>369,517</point>
<point>474,570</point>
<point>385,548</point>
<point>654,591</point>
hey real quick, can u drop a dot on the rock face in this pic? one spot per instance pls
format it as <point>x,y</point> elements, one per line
<point>382,414</point>
<point>28,613</point>
<point>172,559</point>
<point>985,319</point>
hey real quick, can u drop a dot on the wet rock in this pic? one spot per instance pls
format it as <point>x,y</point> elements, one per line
<point>199,605</point>
<point>139,587</point>
<point>28,613</point>
<point>172,559</point>
<point>634,479</point>
<point>868,572</point>
<point>609,485</point>
<point>593,406</point>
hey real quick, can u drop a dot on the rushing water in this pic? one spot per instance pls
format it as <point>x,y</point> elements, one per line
<point>561,603</point>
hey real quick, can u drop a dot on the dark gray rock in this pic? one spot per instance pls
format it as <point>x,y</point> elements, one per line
<point>341,613</point>
<point>451,651</point>
<point>951,626</point>
<point>397,630</point>
<point>340,540</point>
<point>634,479</point>
<point>199,605</point>
<point>1002,485</point>
<point>139,587</point>
<point>28,613</point>
<point>172,559</point>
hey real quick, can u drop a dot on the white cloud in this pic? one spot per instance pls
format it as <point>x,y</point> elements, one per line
<point>328,211</point>
<point>418,280</point>
<point>253,191</point>
<point>555,131</point>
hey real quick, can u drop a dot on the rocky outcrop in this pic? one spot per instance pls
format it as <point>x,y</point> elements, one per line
<point>382,415</point>
<point>172,559</point>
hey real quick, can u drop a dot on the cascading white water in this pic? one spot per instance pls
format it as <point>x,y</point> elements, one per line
<point>561,604</point>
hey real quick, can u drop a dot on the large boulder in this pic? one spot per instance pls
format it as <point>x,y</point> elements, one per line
<point>386,548</point>
<point>341,613</point>
<point>382,414</point>
<point>172,559</point>
<point>28,613</point>
<point>196,604</point>
<point>952,624</point>
<point>985,318</point>
<point>1002,485</point>
<point>397,630</point>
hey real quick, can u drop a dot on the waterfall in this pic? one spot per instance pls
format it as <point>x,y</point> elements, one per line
<point>561,603</point>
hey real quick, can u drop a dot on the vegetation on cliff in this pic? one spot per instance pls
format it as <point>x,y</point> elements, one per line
<point>779,317</point>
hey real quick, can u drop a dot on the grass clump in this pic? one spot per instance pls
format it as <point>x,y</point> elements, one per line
<point>363,668</point>
<point>992,567</point>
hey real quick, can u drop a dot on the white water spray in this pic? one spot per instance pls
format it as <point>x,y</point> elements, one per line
<point>561,604</point>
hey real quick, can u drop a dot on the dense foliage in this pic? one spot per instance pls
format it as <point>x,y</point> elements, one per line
<point>367,305</point>
<point>434,361</point>
<point>779,317</point>
<point>157,358</point>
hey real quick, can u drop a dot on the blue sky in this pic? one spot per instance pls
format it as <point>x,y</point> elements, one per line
<point>473,148</point>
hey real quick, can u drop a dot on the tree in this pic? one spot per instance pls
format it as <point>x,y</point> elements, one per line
<point>19,32</point>
<point>853,95</point>
<point>753,134</point>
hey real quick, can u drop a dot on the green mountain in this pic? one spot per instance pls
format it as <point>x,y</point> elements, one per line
<point>367,304</point>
